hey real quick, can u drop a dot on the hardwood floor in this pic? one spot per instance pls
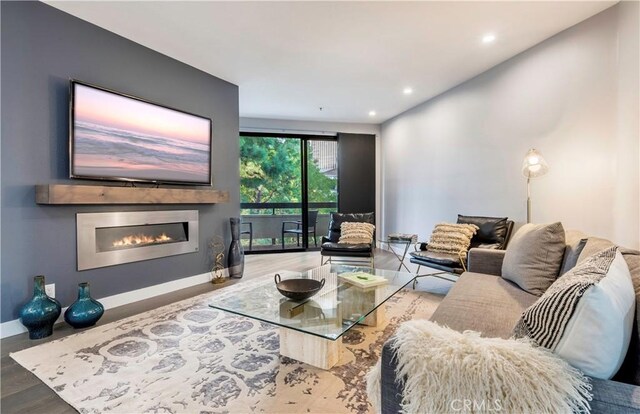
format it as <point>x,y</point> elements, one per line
<point>23,392</point>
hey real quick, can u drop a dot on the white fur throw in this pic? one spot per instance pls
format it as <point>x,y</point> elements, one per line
<point>352,232</point>
<point>448,371</point>
<point>451,238</point>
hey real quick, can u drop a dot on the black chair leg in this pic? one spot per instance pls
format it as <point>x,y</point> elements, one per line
<point>315,239</point>
<point>298,240</point>
<point>251,239</point>
<point>282,239</point>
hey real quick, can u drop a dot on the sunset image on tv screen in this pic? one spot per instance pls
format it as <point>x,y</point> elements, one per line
<point>116,136</point>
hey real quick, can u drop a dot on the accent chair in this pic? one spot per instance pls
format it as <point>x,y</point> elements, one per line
<point>493,233</point>
<point>332,251</point>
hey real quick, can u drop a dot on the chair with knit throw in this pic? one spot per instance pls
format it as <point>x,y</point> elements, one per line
<point>354,250</point>
<point>491,233</point>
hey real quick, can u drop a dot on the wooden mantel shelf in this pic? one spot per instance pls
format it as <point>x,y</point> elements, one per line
<point>94,194</point>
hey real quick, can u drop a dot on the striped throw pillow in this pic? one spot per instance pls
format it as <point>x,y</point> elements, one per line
<point>451,238</point>
<point>356,233</point>
<point>586,315</point>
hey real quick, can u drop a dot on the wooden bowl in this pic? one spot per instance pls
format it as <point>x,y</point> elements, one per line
<point>298,289</point>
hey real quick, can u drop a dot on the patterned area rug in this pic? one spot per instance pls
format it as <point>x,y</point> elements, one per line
<point>189,358</point>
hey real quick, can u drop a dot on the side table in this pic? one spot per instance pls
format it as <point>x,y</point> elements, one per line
<point>402,242</point>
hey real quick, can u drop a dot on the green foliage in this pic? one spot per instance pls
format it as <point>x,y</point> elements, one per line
<point>321,188</point>
<point>270,172</point>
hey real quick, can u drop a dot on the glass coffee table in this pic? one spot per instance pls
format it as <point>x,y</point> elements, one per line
<point>311,331</point>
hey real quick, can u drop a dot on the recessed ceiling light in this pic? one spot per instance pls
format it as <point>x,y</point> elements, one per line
<point>372,113</point>
<point>407,91</point>
<point>488,38</point>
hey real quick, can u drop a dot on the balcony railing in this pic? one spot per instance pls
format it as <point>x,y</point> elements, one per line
<point>266,221</point>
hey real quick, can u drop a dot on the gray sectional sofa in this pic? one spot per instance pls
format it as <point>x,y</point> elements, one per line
<point>481,300</point>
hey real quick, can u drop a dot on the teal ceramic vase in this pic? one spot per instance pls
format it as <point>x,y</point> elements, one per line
<point>85,311</point>
<point>40,313</point>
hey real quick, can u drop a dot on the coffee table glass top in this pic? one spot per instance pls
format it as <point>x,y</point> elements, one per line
<point>337,307</point>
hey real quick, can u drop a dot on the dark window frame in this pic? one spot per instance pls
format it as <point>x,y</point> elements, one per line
<point>303,139</point>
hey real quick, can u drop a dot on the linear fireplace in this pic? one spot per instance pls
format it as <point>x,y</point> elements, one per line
<point>105,239</point>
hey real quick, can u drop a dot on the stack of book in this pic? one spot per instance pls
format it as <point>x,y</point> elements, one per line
<point>363,279</point>
<point>412,238</point>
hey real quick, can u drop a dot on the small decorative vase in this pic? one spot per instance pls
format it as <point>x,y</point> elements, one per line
<point>217,250</point>
<point>85,311</point>
<point>236,253</point>
<point>40,313</point>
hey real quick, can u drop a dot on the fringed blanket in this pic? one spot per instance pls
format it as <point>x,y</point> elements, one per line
<point>448,371</point>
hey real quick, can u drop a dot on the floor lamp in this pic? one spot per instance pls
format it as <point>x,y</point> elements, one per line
<point>533,166</point>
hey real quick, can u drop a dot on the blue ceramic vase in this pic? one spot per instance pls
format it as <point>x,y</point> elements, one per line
<point>41,312</point>
<point>236,253</point>
<point>85,311</point>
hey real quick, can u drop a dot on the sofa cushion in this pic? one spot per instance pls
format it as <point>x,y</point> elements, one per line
<point>586,317</point>
<point>492,231</point>
<point>534,256</point>
<point>498,301</point>
<point>362,247</point>
<point>486,261</point>
<point>630,370</point>
<point>612,397</point>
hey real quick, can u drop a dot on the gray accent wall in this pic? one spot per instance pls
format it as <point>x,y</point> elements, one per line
<point>42,48</point>
<point>574,97</point>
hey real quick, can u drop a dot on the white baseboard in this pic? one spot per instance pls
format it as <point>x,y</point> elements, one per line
<point>15,327</point>
<point>11,328</point>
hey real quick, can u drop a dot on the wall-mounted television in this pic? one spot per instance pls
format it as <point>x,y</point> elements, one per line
<point>114,136</point>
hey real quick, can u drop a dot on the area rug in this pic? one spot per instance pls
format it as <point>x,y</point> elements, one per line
<point>189,358</point>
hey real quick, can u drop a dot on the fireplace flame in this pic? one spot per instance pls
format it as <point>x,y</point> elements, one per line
<point>139,239</point>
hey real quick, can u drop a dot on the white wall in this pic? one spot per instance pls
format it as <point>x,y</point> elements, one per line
<point>322,128</point>
<point>574,97</point>
<point>628,124</point>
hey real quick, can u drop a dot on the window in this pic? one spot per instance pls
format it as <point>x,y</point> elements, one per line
<point>287,183</point>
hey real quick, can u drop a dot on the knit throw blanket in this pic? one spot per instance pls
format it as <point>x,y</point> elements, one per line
<point>447,371</point>
<point>451,238</point>
<point>356,233</point>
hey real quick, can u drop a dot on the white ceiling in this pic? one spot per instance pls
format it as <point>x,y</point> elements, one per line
<point>290,58</point>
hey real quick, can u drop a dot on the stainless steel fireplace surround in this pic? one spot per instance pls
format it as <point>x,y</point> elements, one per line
<point>105,239</point>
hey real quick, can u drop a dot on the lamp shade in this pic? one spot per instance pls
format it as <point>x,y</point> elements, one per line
<point>534,164</point>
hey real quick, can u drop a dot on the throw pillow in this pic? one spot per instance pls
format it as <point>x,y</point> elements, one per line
<point>494,374</point>
<point>594,245</point>
<point>533,257</point>
<point>356,233</point>
<point>586,316</point>
<point>576,240</point>
<point>451,238</point>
